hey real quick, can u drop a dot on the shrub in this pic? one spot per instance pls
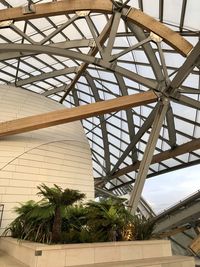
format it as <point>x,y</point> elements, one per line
<point>55,219</point>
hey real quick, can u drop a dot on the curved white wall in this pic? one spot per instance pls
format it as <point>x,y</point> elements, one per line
<point>56,155</point>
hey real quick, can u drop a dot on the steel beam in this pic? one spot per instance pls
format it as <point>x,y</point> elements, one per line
<point>64,45</point>
<point>100,39</point>
<point>79,56</point>
<point>148,154</point>
<point>179,150</point>
<point>171,127</point>
<point>131,48</point>
<point>184,4</point>
<point>107,52</point>
<point>22,34</point>
<point>186,68</point>
<point>68,115</point>
<point>188,90</point>
<point>47,75</point>
<point>93,31</point>
<point>129,113</point>
<point>97,98</point>
<point>59,29</point>
<point>161,10</point>
<point>132,180</point>
<point>102,192</point>
<point>178,244</point>
<point>187,101</point>
<point>149,51</point>
<point>146,125</point>
<point>104,6</point>
<point>152,175</point>
<point>162,59</point>
<point>149,24</point>
<point>55,90</point>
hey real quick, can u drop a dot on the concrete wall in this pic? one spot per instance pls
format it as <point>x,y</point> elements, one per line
<point>56,155</point>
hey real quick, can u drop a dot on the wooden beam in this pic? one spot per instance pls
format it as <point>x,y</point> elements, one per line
<point>195,245</point>
<point>172,38</point>
<point>68,115</point>
<point>172,232</point>
<point>56,8</point>
<point>179,150</point>
<point>69,6</point>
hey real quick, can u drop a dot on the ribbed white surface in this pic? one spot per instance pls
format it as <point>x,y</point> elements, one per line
<point>56,155</point>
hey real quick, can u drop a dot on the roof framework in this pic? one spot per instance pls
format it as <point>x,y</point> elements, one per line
<point>98,50</point>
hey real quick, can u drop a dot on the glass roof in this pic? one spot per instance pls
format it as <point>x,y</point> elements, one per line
<point>72,81</point>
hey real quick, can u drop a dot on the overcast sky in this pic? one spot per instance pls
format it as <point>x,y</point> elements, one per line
<point>165,190</point>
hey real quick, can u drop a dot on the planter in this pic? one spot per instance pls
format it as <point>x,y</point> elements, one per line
<point>40,255</point>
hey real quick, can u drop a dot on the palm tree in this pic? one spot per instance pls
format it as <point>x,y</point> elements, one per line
<point>19,226</point>
<point>33,223</point>
<point>107,219</point>
<point>59,199</point>
<point>74,225</point>
<point>142,228</point>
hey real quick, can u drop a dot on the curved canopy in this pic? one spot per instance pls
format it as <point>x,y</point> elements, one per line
<point>81,52</point>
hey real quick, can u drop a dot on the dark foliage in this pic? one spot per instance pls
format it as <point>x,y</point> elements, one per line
<point>55,219</point>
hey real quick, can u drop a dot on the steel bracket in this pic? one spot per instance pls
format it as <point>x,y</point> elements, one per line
<point>155,38</point>
<point>28,9</point>
<point>6,24</point>
<point>83,13</point>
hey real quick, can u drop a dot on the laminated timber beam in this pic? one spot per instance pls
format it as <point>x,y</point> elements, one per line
<point>104,6</point>
<point>172,232</point>
<point>53,118</point>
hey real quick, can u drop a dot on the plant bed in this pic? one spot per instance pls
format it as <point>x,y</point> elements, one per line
<point>56,220</point>
<point>41,255</point>
<point>55,232</point>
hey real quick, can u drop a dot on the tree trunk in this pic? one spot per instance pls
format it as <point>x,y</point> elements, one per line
<point>56,229</point>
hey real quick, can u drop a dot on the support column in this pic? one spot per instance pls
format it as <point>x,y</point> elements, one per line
<point>148,154</point>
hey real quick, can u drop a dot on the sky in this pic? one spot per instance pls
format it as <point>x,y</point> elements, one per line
<point>165,190</point>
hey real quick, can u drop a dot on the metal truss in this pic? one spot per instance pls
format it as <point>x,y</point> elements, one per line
<point>74,59</point>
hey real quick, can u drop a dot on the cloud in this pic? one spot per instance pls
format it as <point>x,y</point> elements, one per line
<point>168,189</point>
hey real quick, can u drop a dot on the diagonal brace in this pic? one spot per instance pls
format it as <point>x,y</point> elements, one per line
<point>148,154</point>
